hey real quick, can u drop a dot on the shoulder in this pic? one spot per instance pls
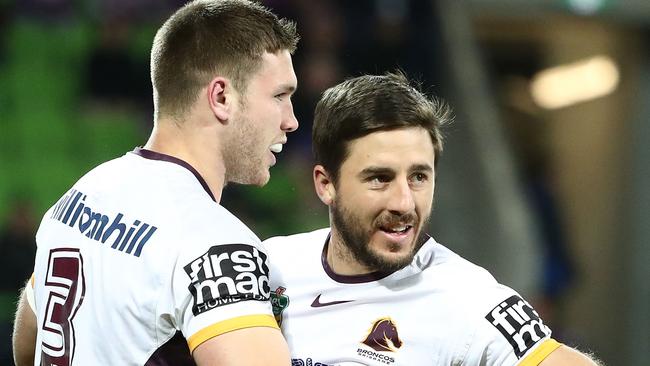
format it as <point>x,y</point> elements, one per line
<point>437,260</point>
<point>168,196</point>
<point>174,195</point>
<point>117,168</point>
<point>503,322</point>
<point>213,232</point>
<point>212,220</point>
<point>469,283</point>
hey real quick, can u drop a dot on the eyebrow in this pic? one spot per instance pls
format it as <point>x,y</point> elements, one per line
<point>287,88</point>
<point>375,170</point>
<point>421,167</point>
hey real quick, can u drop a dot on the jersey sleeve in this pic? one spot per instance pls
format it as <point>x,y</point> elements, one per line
<point>29,293</point>
<point>509,332</point>
<point>221,287</point>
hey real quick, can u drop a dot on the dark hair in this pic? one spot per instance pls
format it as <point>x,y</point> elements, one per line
<point>370,103</point>
<point>205,37</point>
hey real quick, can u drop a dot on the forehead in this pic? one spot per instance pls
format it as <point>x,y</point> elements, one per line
<point>396,149</point>
<point>276,71</point>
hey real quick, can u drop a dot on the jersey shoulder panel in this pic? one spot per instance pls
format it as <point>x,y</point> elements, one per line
<point>458,272</point>
<point>505,327</point>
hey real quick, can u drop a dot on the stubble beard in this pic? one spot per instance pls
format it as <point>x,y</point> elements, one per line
<point>243,156</point>
<point>355,238</point>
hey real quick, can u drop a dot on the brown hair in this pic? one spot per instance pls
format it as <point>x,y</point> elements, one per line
<point>206,37</point>
<point>366,104</point>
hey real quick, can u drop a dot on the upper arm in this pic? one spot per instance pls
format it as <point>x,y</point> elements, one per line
<point>221,294</point>
<point>567,356</point>
<point>24,336</point>
<point>249,346</point>
<point>510,331</point>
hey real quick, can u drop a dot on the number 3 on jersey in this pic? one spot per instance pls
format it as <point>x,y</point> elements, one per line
<point>64,289</point>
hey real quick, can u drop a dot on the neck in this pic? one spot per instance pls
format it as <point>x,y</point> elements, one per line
<point>341,260</point>
<point>192,145</point>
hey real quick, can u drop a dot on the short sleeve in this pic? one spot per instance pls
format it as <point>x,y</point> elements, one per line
<point>29,294</point>
<point>509,332</point>
<point>221,288</point>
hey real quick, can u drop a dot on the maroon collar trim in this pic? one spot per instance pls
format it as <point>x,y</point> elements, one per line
<point>152,155</point>
<point>368,277</point>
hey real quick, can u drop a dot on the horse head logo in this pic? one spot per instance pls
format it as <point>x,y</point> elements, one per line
<point>383,336</point>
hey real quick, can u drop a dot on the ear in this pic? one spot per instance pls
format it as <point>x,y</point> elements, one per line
<point>324,185</point>
<point>220,97</point>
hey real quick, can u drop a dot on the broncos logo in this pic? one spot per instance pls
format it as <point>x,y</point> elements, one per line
<point>383,336</point>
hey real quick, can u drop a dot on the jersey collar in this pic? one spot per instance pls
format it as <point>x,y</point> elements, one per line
<point>368,277</point>
<point>152,155</point>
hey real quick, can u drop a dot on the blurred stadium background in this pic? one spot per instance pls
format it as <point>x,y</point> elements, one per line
<point>544,178</point>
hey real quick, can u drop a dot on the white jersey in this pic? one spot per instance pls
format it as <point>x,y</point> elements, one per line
<point>440,310</point>
<point>138,265</point>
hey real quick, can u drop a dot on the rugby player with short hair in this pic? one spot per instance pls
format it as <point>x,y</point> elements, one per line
<point>374,289</point>
<point>138,263</point>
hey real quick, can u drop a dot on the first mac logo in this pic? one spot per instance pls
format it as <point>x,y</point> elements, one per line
<point>519,323</point>
<point>227,274</point>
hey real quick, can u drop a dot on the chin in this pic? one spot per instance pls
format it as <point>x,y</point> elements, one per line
<point>396,254</point>
<point>258,178</point>
<point>395,258</point>
<point>262,179</point>
<point>386,261</point>
<point>261,183</point>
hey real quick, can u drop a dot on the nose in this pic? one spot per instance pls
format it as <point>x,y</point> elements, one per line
<point>401,199</point>
<point>289,121</point>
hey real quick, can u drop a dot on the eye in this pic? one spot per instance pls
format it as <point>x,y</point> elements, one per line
<point>377,181</point>
<point>419,178</point>
<point>282,96</point>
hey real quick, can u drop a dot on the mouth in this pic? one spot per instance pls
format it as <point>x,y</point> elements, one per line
<point>396,229</point>
<point>276,148</point>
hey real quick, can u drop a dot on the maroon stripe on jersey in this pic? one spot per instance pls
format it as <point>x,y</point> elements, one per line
<point>148,154</point>
<point>173,353</point>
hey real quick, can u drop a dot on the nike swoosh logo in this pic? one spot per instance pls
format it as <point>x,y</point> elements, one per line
<point>318,304</point>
